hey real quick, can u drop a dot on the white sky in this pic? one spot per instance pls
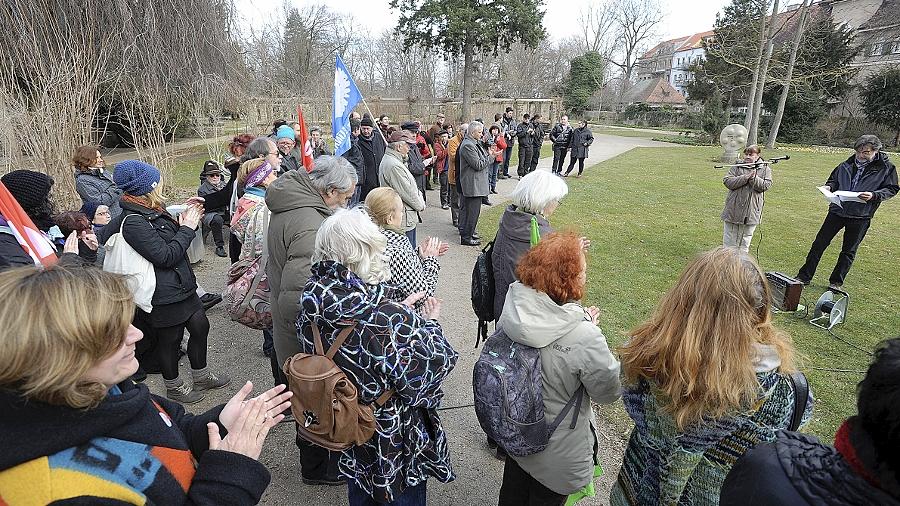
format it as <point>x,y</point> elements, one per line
<point>683,17</point>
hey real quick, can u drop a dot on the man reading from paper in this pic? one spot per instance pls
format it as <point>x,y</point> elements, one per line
<point>868,172</point>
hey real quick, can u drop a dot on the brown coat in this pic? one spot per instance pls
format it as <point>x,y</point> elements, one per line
<point>452,146</point>
<point>744,202</point>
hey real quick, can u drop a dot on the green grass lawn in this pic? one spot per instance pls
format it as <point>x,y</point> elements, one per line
<point>648,211</point>
<point>546,150</point>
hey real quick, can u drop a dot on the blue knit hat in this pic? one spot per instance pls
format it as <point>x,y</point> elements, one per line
<point>285,132</point>
<point>135,177</point>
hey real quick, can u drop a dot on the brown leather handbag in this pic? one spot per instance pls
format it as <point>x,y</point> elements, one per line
<point>326,402</point>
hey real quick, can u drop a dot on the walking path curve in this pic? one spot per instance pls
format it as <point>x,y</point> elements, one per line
<point>237,351</point>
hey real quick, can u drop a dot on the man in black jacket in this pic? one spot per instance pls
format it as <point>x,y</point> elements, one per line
<point>372,146</point>
<point>536,141</point>
<point>525,134</point>
<point>861,469</point>
<point>355,157</point>
<point>508,129</point>
<point>868,172</point>
<point>559,136</point>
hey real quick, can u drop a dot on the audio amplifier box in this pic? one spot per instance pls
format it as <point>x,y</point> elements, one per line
<point>785,291</point>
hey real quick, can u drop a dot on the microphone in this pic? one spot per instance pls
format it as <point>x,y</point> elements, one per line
<point>777,158</point>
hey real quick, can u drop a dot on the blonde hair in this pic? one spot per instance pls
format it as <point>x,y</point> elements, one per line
<point>381,204</point>
<point>246,168</point>
<point>698,347</point>
<point>154,199</point>
<point>44,355</point>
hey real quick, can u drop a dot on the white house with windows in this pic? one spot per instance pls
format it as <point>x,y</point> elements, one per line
<point>671,60</point>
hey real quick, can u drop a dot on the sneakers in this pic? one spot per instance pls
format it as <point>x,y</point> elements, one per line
<point>835,286</point>
<point>184,394</point>
<point>209,300</point>
<point>445,206</point>
<point>220,251</point>
<point>212,381</point>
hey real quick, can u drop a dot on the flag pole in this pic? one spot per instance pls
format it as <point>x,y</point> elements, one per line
<point>373,118</point>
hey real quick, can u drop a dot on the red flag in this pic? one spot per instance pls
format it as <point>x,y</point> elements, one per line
<point>305,145</point>
<point>30,238</point>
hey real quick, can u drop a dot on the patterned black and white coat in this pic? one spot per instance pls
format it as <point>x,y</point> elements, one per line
<point>391,347</point>
<point>410,272</point>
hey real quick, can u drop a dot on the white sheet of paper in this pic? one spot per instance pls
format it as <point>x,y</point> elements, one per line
<point>849,196</point>
<point>830,197</point>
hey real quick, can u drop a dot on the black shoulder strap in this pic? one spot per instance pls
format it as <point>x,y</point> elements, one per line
<point>801,394</point>
<point>574,402</point>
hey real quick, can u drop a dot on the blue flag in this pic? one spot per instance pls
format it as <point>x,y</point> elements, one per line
<point>346,96</point>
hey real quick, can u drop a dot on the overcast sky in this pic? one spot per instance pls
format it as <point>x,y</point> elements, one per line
<point>683,17</point>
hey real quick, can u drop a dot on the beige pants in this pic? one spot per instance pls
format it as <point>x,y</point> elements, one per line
<point>737,235</point>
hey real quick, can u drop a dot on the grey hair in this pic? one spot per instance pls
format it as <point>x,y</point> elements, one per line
<point>332,173</point>
<point>258,148</point>
<point>350,238</point>
<point>871,140</point>
<point>474,126</point>
<point>537,190</point>
<point>464,128</point>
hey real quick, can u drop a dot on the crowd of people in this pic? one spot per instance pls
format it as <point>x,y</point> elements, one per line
<point>331,254</point>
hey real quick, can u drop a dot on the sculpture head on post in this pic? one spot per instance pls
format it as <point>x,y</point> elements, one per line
<point>733,139</point>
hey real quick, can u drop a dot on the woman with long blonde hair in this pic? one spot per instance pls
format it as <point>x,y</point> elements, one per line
<point>707,377</point>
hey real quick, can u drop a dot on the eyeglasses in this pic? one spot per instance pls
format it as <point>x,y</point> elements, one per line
<point>102,213</point>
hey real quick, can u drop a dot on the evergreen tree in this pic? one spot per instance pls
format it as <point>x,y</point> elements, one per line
<point>585,78</point>
<point>880,95</point>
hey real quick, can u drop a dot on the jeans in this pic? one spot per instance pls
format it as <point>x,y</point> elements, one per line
<point>507,154</point>
<point>445,189</point>
<point>854,232</point>
<point>492,175</point>
<point>572,165</point>
<point>519,488</point>
<point>524,160</point>
<point>411,235</point>
<point>412,496</point>
<point>454,205</point>
<point>559,158</point>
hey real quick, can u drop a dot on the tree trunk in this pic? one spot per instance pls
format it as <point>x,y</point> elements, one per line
<point>782,100</point>
<point>759,56</point>
<point>469,62</point>
<point>761,83</point>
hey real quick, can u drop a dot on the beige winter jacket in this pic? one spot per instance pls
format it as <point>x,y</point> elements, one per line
<point>744,202</point>
<point>393,173</point>
<point>573,353</point>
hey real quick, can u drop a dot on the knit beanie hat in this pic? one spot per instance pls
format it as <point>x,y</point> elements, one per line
<point>367,121</point>
<point>89,209</point>
<point>285,132</point>
<point>30,188</point>
<point>135,177</point>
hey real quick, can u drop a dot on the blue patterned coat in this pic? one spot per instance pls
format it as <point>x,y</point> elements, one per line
<point>391,347</point>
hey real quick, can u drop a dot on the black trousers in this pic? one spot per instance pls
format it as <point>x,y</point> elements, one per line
<point>455,199</point>
<point>524,160</point>
<point>507,154</point>
<point>214,224</point>
<point>469,211</point>
<point>559,158</point>
<point>520,489</point>
<point>445,188</point>
<point>572,165</point>
<point>535,156</point>
<point>854,232</point>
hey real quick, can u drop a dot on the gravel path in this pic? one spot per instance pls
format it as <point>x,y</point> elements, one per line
<point>238,351</point>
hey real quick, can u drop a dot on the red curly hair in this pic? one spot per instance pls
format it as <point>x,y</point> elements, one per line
<point>239,143</point>
<point>553,266</point>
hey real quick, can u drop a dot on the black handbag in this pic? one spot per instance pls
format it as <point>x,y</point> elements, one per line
<point>801,395</point>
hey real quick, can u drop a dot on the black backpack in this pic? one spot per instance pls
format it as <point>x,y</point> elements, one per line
<point>483,291</point>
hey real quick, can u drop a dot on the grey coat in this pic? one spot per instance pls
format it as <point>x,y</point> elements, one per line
<point>472,178</point>
<point>297,212</point>
<point>744,202</point>
<point>513,240</point>
<point>573,353</point>
<point>393,172</point>
<point>97,186</point>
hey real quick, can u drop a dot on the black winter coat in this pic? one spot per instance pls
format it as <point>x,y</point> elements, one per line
<point>416,166</point>
<point>164,243</point>
<point>11,253</point>
<point>355,157</point>
<point>372,150</point>
<point>538,137</point>
<point>796,470</point>
<point>525,138</point>
<point>560,135</point>
<point>579,141</point>
<point>879,177</point>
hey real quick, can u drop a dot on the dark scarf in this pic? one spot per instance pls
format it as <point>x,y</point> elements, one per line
<point>858,450</point>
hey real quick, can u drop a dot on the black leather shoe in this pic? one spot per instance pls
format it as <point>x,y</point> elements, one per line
<point>470,242</point>
<point>209,300</point>
<point>476,236</point>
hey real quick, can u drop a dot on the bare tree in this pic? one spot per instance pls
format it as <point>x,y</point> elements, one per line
<point>756,107</point>
<point>792,60</point>
<point>597,22</point>
<point>636,22</point>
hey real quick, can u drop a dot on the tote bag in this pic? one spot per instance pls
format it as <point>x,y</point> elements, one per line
<point>121,258</point>
<point>247,292</point>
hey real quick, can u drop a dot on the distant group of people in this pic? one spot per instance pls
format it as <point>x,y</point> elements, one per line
<point>715,395</point>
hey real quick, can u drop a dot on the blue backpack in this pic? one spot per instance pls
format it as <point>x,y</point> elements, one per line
<point>509,399</point>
